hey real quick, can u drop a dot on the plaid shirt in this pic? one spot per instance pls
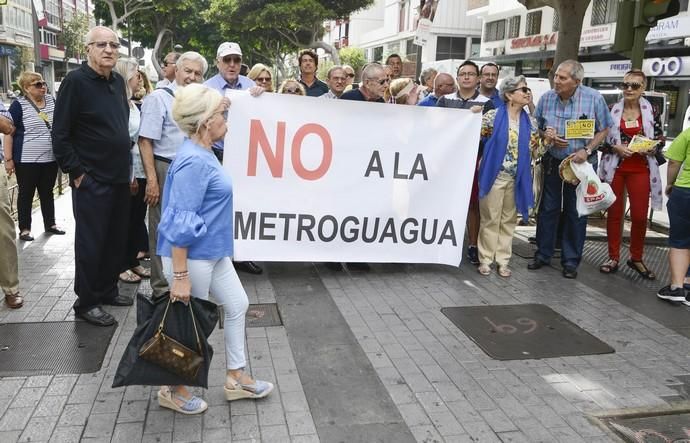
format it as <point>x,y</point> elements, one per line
<point>585,103</point>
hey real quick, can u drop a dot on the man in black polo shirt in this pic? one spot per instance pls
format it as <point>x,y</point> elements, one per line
<point>91,143</point>
<point>468,97</point>
<point>308,62</point>
<point>374,84</point>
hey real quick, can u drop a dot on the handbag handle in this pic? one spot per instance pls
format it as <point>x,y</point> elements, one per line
<point>196,332</point>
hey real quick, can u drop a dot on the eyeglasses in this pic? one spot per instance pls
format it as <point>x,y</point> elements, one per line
<point>39,84</point>
<point>102,45</point>
<point>467,74</point>
<point>294,91</point>
<point>524,89</point>
<point>351,75</point>
<point>263,79</point>
<point>625,85</point>
<point>232,59</point>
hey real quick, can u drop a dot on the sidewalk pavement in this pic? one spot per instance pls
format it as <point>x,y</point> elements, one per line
<point>442,385</point>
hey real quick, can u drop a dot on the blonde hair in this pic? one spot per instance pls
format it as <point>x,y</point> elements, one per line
<point>400,89</point>
<point>193,105</point>
<point>256,70</point>
<point>127,68</point>
<point>287,82</point>
<point>26,78</point>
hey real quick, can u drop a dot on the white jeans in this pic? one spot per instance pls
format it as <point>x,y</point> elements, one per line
<point>220,279</point>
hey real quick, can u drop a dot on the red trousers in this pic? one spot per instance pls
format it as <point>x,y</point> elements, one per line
<point>633,175</point>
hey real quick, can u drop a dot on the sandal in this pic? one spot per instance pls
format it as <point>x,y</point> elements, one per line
<point>129,277</point>
<point>238,391</point>
<point>191,406</point>
<point>26,236</point>
<point>141,271</point>
<point>609,267</point>
<point>504,271</point>
<point>484,269</point>
<point>642,269</point>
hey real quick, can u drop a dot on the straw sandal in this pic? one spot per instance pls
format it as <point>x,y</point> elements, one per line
<point>504,271</point>
<point>129,277</point>
<point>191,406</point>
<point>484,269</point>
<point>238,391</point>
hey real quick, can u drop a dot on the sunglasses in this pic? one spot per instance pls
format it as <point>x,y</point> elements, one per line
<point>40,84</point>
<point>263,79</point>
<point>295,91</point>
<point>383,81</point>
<point>524,89</point>
<point>232,59</point>
<point>351,75</point>
<point>625,85</point>
<point>102,45</point>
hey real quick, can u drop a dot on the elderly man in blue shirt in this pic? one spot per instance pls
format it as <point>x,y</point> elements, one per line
<point>159,140</point>
<point>569,101</point>
<point>229,63</point>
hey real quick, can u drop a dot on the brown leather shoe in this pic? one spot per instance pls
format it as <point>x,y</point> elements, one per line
<point>14,301</point>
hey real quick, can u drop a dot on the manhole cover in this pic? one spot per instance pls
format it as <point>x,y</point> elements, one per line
<point>520,332</point>
<point>52,348</point>
<point>659,427</point>
<point>263,315</point>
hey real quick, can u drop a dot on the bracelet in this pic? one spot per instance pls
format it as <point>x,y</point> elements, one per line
<point>181,272</point>
<point>9,160</point>
<point>181,277</point>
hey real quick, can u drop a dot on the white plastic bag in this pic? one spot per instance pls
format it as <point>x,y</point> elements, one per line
<point>592,194</point>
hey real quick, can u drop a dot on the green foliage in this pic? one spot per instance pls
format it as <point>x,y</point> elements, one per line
<point>353,56</point>
<point>72,35</point>
<point>324,66</point>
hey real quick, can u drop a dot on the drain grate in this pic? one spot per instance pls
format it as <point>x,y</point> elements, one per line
<point>52,348</point>
<point>651,427</point>
<point>528,331</point>
<point>263,315</point>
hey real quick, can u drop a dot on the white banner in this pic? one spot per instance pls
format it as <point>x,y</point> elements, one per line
<point>346,181</point>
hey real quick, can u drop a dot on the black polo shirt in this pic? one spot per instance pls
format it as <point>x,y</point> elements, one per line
<point>91,126</point>
<point>317,89</point>
<point>356,94</point>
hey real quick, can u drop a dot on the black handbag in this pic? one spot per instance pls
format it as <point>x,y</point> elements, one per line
<point>134,370</point>
<point>168,353</point>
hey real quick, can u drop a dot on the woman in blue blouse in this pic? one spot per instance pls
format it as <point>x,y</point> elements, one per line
<point>195,239</point>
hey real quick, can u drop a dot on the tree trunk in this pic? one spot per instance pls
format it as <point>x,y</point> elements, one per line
<point>155,56</point>
<point>571,15</point>
<point>330,49</point>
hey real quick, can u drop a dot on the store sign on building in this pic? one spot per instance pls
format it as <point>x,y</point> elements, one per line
<point>535,41</point>
<point>678,26</point>
<point>652,67</point>
<point>598,35</point>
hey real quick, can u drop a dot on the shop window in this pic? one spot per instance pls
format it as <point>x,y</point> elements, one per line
<point>450,47</point>
<point>494,31</point>
<point>514,26</point>
<point>476,46</point>
<point>604,11</point>
<point>533,23</point>
<point>377,55</point>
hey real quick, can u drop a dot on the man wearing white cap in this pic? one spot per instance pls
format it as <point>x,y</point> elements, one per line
<point>229,63</point>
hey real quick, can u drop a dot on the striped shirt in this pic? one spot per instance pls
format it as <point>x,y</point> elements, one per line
<point>31,142</point>
<point>585,103</point>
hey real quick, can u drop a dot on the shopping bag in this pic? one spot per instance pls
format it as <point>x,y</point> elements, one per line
<point>133,370</point>
<point>592,194</point>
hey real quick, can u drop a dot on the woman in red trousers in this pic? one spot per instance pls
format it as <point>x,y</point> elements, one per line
<point>638,172</point>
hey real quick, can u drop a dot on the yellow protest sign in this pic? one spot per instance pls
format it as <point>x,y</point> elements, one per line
<point>579,128</point>
<point>640,143</point>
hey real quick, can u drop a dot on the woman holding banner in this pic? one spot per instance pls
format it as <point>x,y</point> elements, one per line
<point>195,243</point>
<point>624,166</point>
<point>505,178</point>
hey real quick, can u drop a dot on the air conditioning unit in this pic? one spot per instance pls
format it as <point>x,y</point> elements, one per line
<point>686,42</point>
<point>500,51</point>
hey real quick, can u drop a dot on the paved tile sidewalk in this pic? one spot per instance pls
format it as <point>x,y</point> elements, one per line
<point>445,387</point>
<point>72,408</point>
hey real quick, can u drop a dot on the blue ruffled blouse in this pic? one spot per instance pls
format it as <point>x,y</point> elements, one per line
<point>197,206</point>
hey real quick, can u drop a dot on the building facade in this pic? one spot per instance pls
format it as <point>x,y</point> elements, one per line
<point>526,40</point>
<point>390,26</point>
<point>29,38</point>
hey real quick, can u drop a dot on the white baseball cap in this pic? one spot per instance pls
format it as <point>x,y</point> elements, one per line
<point>228,48</point>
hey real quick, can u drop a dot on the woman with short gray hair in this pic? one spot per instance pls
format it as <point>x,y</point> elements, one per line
<point>505,176</point>
<point>194,240</point>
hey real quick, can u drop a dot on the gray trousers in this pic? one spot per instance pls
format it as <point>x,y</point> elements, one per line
<point>9,273</point>
<point>159,284</point>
